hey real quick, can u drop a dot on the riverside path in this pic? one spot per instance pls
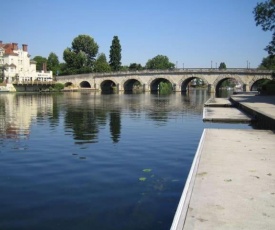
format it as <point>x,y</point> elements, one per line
<point>231,184</point>
<point>180,79</point>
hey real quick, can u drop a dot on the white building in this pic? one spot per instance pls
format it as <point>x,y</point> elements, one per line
<point>17,65</point>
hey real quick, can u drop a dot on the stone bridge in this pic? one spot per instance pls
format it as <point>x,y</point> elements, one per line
<point>179,78</point>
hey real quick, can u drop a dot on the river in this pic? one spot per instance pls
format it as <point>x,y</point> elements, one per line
<point>91,161</point>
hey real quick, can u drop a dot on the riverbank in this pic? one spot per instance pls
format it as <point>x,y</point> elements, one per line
<point>231,184</point>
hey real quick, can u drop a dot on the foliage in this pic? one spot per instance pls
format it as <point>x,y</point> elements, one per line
<point>222,65</point>
<point>135,66</point>
<point>115,54</point>
<point>264,14</point>
<point>81,56</point>
<point>39,62</point>
<point>53,63</point>
<point>101,64</point>
<point>268,63</point>
<point>159,62</point>
<point>268,87</point>
<point>124,68</point>
<point>57,87</point>
<point>165,88</point>
<point>228,83</point>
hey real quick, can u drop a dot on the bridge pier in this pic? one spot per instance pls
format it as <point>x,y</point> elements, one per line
<point>117,87</point>
<point>211,88</point>
<point>246,88</point>
<point>146,88</point>
<point>177,88</point>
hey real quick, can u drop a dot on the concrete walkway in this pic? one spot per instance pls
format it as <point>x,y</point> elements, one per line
<point>261,104</point>
<point>231,184</point>
<point>224,114</point>
<point>218,102</point>
<point>222,110</point>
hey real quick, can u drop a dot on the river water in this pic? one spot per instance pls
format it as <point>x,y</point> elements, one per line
<point>91,161</point>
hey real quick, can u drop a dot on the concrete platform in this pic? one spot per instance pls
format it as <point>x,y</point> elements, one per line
<point>218,102</point>
<point>224,114</point>
<point>262,104</point>
<point>231,184</point>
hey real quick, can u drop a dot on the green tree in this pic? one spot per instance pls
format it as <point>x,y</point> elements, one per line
<point>39,62</point>
<point>222,65</point>
<point>159,62</point>
<point>81,56</point>
<point>135,66</point>
<point>101,64</point>
<point>165,88</point>
<point>268,63</point>
<point>264,14</point>
<point>53,63</point>
<point>115,54</point>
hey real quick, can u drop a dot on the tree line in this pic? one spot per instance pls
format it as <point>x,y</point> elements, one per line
<point>83,57</point>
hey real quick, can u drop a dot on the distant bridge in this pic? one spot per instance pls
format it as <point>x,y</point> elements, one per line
<point>149,80</point>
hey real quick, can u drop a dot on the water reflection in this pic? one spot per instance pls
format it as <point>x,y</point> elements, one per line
<point>85,114</point>
<point>86,151</point>
<point>18,111</point>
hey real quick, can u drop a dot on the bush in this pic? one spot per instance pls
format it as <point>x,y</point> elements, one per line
<point>268,88</point>
<point>165,88</point>
<point>57,87</point>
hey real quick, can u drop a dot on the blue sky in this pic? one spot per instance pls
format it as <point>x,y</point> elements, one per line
<point>190,33</point>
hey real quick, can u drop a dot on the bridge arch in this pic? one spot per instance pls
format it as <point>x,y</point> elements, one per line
<point>154,83</point>
<point>108,86</point>
<point>68,84</point>
<point>185,82</point>
<point>85,84</point>
<point>255,80</point>
<point>132,84</point>
<point>220,79</point>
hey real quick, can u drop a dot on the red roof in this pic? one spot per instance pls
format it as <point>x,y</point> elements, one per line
<point>9,48</point>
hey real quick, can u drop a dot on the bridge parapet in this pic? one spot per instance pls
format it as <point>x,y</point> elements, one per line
<point>187,71</point>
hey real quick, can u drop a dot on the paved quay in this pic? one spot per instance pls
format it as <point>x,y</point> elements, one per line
<point>231,184</point>
<point>218,102</point>
<point>225,114</point>
<point>262,104</point>
<point>222,110</point>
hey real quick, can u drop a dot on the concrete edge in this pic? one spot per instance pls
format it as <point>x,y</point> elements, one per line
<point>180,215</point>
<point>259,118</point>
<point>208,101</point>
<point>203,114</point>
<point>228,120</point>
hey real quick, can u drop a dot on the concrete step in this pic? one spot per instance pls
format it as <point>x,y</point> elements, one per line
<point>224,114</point>
<point>218,102</point>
